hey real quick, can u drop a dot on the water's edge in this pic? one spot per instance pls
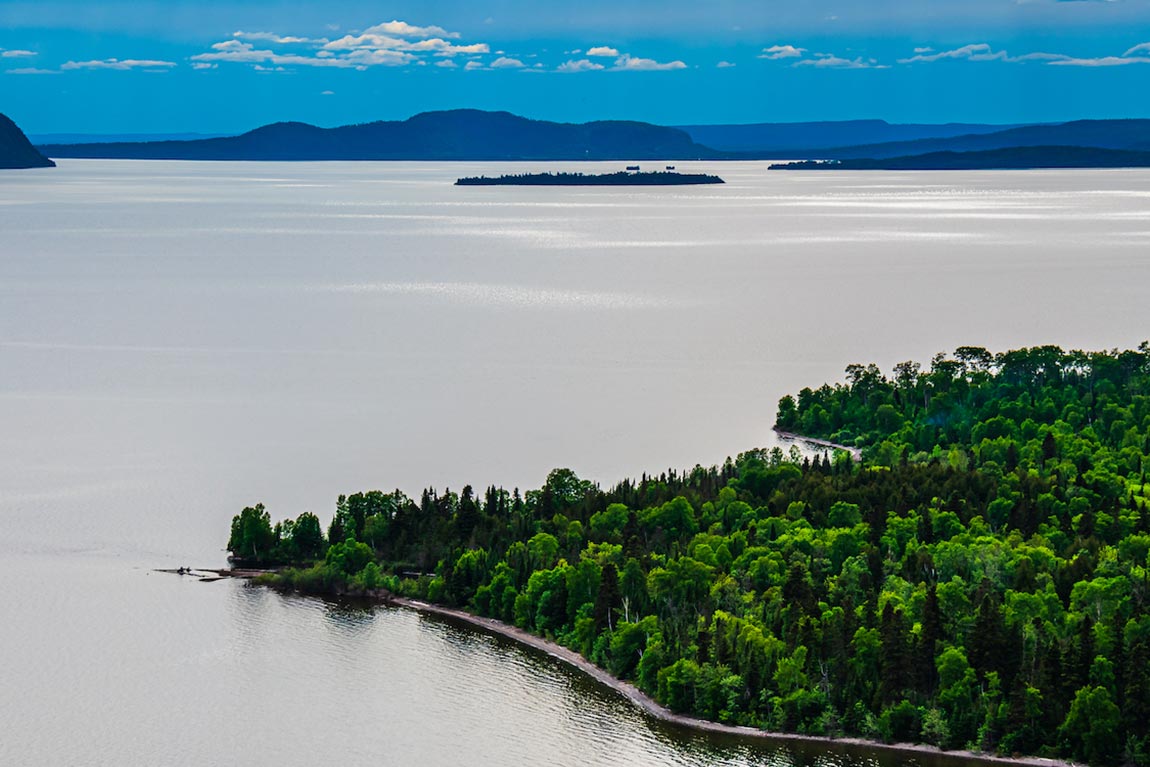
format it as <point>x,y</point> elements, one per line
<point>663,714</point>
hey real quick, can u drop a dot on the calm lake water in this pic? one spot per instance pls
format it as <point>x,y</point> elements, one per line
<point>180,340</point>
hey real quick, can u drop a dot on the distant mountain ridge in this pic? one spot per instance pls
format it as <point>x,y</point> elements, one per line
<point>469,134</point>
<point>16,151</point>
<point>1128,135</point>
<point>807,136</point>
<point>462,134</point>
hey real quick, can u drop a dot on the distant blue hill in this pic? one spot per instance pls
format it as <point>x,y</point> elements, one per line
<point>462,134</point>
<point>805,136</point>
<point>15,149</point>
<point>1131,135</point>
<point>468,134</point>
<point>1010,158</point>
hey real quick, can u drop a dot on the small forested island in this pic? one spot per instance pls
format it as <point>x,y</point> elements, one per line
<point>981,579</point>
<point>621,178</point>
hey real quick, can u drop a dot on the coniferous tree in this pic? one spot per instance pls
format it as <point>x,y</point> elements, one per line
<point>894,656</point>
<point>928,643</point>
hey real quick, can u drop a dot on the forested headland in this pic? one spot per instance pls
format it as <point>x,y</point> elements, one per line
<point>981,579</point>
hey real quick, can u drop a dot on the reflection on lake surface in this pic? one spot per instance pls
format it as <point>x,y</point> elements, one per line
<point>179,340</point>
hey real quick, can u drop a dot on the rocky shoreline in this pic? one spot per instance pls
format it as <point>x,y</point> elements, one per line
<point>934,755</point>
<point>663,714</point>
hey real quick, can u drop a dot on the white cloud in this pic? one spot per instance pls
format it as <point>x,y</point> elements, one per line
<point>973,52</point>
<point>352,42</point>
<point>831,61</point>
<point>473,65</point>
<point>580,65</point>
<point>234,50</point>
<point>146,64</point>
<point>985,52</point>
<point>204,65</point>
<point>31,71</point>
<point>725,64</point>
<point>782,52</point>
<point>1039,56</point>
<point>363,58</point>
<point>443,48</point>
<point>446,64</point>
<point>979,52</point>
<point>403,29</point>
<point>327,93</point>
<point>503,62</point>
<point>382,42</point>
<point>391,43</point>
<point>272,37</point>
<point>1102,61</point>
<point>924,49</point>
<point>16,54</point>
<point>601,50</point>
<point>238,52</point>
<point>629,63</point>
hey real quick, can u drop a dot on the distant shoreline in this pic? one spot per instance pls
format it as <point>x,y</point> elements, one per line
<point>663,714</point>
<point>1009,158</point>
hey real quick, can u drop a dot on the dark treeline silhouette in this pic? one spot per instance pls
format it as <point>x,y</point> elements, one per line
<point>1011,158</point>
<point>621,178</point>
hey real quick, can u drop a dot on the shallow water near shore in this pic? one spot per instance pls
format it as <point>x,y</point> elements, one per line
<point>177,672</point>
<point>179,340</point>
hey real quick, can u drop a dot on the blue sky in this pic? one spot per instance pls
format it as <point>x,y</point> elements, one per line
<point>215,66</point>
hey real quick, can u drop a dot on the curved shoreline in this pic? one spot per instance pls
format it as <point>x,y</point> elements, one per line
<point>653,709</point>
<point>856,453</point>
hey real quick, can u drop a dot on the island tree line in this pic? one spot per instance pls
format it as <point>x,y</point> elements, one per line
<point>981,579</point>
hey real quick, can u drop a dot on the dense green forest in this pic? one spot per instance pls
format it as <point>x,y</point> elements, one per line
<point>981,579</point>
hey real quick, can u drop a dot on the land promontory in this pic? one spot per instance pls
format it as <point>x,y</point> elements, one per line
<point>15,149</point>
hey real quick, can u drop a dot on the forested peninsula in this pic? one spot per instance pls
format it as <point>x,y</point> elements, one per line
<point>980,580</point>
